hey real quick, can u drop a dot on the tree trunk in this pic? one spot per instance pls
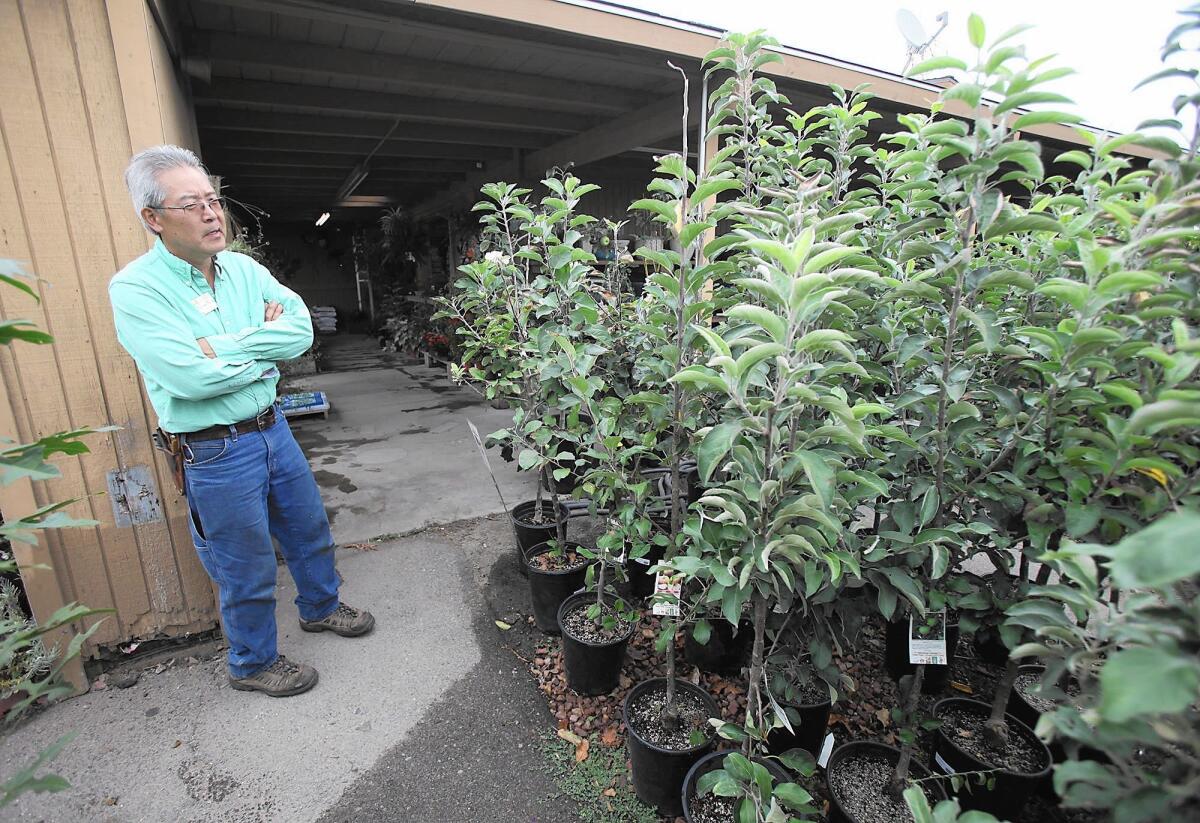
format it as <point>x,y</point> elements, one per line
<point>754,709</point>
<point>896,785</point>
<point>995,733</point>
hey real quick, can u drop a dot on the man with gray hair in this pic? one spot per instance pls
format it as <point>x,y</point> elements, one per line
<point>205,327</point>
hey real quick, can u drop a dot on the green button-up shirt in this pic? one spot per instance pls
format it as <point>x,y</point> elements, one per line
<point>162,305</point>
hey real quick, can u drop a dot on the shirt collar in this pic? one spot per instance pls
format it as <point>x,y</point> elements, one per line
<point>178,265</point>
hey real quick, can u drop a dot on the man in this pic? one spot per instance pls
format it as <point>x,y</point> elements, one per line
<point>205,327</point>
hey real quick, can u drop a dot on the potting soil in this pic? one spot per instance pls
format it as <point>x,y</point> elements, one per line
<point>713,809</point>
<point>966,729</point>
<point>551,562</point>
<point>584,628</point>
<point>860,784</point>
<point>646,715</point>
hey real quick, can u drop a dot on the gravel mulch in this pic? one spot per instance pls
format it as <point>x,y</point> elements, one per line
<point>966,729</point>
<point>860,783</point>
<point>646,715</point>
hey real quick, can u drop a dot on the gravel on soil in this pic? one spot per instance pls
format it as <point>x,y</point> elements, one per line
<point>713,809</point>
<point>646,716</point>
<point>860,784</point>
<point>1028,683</point>
<point>557,562</point>
<point>584,629</point>
<point>965,728</point>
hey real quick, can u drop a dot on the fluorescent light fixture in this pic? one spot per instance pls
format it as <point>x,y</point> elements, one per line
<point>321,220</point>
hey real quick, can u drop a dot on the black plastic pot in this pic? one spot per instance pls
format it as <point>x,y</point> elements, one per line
<point>895,655</point>
<point>529,533</point>
<point>725,652</point>
<point>1010,789</point>
<point>808,735</point>
<point>658,773</point>
<point>592,668</point>
<point>713,761</point>
<point>837,812</point>
<point>548,589</point>
<point>1018,706</point>
<point>989,647</point>
<point>637,570</point>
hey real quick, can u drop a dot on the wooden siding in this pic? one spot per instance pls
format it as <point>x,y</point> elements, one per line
<point>86,84</point>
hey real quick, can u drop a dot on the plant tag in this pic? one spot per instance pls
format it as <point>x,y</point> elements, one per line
<point>826,750</point>
<point>923,649</point>
<point>942,764</point>
<point>667,589</point>
<point>487,465</point>
<point>205,303</point>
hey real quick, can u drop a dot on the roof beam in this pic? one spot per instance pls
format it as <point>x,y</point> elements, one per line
<point>239,142</point>
<point>500,86</point>
<point>653,122</point>
<point>331,126</point>
<point>627,60</point>
<point>403,107</point>
<point>303,162</point>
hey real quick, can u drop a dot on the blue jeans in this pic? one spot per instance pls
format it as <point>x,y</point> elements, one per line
<point>242,490</point>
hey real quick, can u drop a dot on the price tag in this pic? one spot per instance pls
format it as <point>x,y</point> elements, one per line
<point>826,750</point>
<point>669,586</point>
<point>924,650</point>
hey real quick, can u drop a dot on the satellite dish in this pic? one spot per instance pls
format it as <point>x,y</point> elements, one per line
<point>919,42</point>
<point>911,28</point>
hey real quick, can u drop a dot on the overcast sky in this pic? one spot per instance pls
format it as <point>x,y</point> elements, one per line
<point>1112,46</point>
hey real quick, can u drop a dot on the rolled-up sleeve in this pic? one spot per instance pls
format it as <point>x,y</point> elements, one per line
<point>166,353</point>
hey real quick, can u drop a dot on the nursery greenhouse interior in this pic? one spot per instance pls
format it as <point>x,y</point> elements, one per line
<point>718,431</point>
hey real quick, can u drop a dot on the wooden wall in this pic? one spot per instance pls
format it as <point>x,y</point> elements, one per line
<point>86,83</point>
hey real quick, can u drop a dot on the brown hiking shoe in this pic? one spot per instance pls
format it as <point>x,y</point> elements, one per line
<point>345,620</point>
<point>283,678</point>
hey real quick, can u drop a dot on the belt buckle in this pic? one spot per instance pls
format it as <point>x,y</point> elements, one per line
<point>260,419</point>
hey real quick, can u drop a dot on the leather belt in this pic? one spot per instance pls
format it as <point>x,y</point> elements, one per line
<point>263,420</point>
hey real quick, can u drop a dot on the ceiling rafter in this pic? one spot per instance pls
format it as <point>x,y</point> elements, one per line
<point>405,107</point>
<point>361,127</point>
<point>258,144</point>
<point>499,86</point>
<point>627,60</point>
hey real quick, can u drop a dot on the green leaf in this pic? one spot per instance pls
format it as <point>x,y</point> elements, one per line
<point>528,459</point>
<point>1127,282</point>
<point>1159,555</point>
<point>1082,519</point>
<point>929,505</point>
<point>820,476</point>
<point>1165,414</point>
<point>715,445</point>
<point>761,317</point>
<point>1126,694</point>
<point>976,31</point>
<point>1037,118</point>
<point>792,795</point>
<point>937,64</point>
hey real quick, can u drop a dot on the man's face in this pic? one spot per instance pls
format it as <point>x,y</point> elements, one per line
<point>195,235</point>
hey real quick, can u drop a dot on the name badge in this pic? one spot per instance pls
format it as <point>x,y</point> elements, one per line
<point>205,304</point>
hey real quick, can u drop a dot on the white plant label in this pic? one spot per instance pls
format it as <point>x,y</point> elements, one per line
<point>486,463</point>
<point>826,750</point>
<point>924,651</point>
<point>667,590</point>
<point>942,764</point>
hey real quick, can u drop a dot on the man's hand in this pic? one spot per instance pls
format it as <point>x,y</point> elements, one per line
<point>207,349</point>
<point>273,311</point>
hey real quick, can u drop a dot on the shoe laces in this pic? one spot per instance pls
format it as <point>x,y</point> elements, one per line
<point>283,666</point>
<point>345,611</point>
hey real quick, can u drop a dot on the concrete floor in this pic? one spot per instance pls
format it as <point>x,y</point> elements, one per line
<point>179,745</point>
<point>395,454</point>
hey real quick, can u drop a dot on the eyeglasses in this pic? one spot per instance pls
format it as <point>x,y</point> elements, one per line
<point>217,204</point>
